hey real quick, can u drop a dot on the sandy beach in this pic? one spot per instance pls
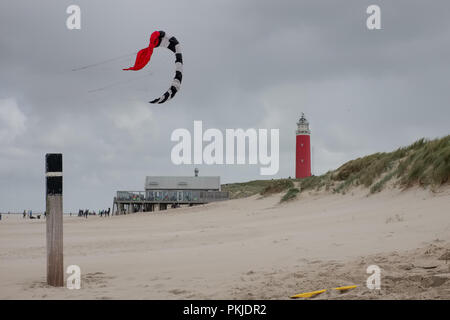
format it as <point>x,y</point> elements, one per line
<point>251,248</point>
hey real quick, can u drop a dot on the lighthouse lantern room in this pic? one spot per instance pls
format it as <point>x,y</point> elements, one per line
<point>303,149</point>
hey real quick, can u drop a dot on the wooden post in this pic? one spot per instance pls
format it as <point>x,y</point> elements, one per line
<point>54,213</point>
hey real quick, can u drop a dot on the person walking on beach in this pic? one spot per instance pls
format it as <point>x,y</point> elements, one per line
<point>24,214</point>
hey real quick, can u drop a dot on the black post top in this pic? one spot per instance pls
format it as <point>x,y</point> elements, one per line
<point>53,162</point>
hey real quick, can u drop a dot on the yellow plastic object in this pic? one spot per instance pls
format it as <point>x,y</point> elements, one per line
<point>315,293</point>
<point>345,288</point>
<point>309,294</point>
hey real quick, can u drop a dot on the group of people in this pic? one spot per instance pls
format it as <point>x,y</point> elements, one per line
<point>85,213</point>
<point>104,212</point>
<point>29,214</point>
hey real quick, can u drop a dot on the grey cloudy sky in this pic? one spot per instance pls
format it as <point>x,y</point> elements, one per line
<point>247,64</point>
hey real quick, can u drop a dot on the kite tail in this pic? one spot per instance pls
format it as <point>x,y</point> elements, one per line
<point>173,45</point>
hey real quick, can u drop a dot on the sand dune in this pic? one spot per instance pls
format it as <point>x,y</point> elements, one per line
<point>247,248</point>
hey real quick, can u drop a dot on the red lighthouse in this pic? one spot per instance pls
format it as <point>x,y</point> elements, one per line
<point>303,149</point>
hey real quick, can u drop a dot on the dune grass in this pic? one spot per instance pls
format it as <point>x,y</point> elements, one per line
<point>424,163</point>
<point>262,187</point>
<point>245,189</point>
<point>277,186</point>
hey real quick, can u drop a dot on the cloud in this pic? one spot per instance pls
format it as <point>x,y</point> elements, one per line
<point>134,118</point>
<point>12,121</point>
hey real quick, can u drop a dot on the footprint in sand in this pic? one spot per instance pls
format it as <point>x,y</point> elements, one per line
<point>98,279</point>
<point>178,291</point>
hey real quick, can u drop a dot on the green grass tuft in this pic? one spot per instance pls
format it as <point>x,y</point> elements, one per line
<point>377,187</point>
<point>290,194</point>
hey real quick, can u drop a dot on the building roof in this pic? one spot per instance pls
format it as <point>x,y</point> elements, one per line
<point>182,183</point>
